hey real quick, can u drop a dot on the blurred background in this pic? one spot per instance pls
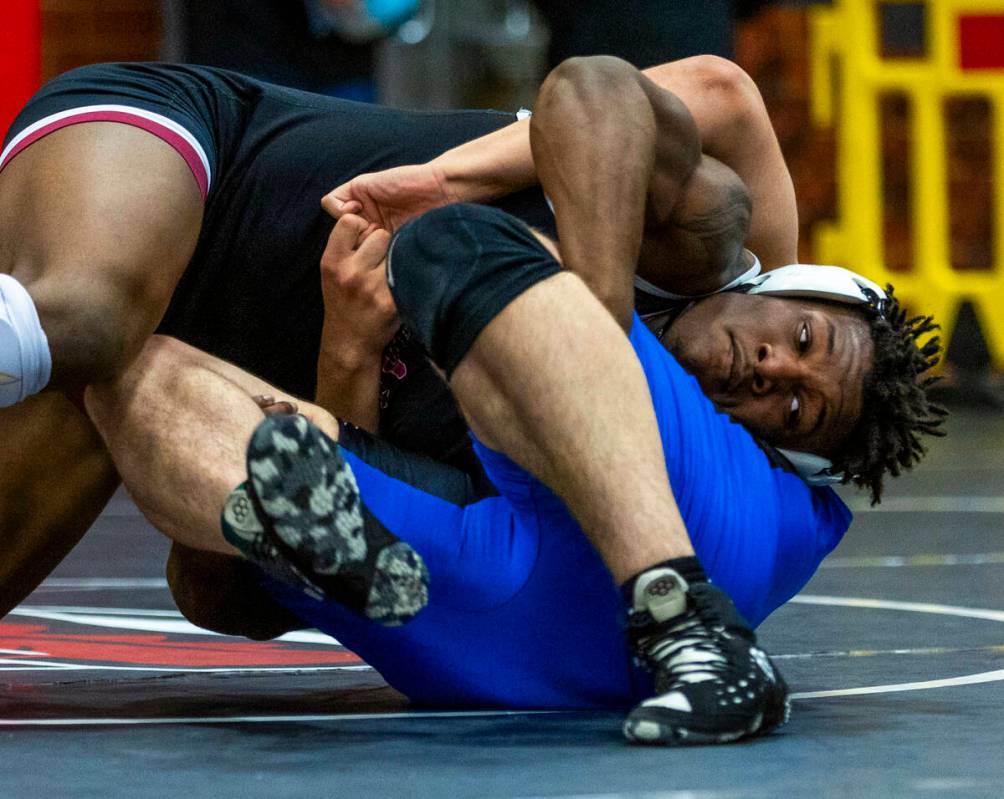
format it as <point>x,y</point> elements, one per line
<point>885,109</point>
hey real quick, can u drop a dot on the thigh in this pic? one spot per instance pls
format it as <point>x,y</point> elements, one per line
<point>98,221</point>
<point>55,478</point>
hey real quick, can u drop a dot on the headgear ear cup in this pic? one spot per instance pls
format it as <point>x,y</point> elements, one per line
<point>811,282</point>
<point>813,469</point>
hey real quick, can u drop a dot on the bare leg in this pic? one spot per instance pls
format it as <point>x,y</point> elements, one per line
<point>553,382</point>
<point>98,221</point>
<point>177,423</point>
<point>178,428</point>
<point>55,477</point>
<point>547,382</point>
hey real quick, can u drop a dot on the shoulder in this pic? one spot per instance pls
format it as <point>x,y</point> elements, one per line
<point>760,531</point>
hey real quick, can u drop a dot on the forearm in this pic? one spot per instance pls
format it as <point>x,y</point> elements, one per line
<point>489,167</point>
<point>348,386</point>
<point>501,162</point>
<point>732,125</point>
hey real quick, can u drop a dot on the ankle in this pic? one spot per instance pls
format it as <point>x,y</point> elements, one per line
<point>689,568</point>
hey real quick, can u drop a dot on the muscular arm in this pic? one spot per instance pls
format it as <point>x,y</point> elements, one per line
<point>734,129</point>
<point>614,152</point>
<point>742,162</point>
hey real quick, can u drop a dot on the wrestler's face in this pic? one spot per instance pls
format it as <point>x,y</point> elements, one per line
<point>792,371</point>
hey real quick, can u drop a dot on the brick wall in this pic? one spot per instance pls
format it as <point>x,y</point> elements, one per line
<point>78,32</point>
<point>774,48</point>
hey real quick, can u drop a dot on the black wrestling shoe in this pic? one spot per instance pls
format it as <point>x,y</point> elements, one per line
<point>713,684</point>
<point>300,518</point>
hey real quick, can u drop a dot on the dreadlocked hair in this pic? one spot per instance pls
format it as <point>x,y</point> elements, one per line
<point>896,409</point>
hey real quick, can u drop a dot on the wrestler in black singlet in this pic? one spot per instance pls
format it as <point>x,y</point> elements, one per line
<point>251,293</point>
<point>264,156</point>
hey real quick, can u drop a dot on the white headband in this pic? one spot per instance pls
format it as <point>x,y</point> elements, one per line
<point>834,284</point>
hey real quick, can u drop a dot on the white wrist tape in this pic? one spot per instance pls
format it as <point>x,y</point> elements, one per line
<point>25,361</point>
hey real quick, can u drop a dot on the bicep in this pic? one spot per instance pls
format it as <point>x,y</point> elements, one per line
<point>735,128</point>
<point>700,250</point>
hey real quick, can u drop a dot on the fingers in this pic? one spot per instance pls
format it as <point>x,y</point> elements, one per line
<point>346,236</point>
<point>281,408</point>
<point>354,236</point>
<point>371,228</point>
<point>339,202</point>
<point>373,250</point>
<point>271,407</point>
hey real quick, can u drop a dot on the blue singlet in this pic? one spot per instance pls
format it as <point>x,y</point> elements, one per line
<point>523,613</point>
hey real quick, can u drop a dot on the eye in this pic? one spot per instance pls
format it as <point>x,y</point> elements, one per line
<point>804,337</point>
<point>794,411</point>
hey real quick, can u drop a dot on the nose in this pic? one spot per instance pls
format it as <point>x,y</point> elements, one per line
<point>774,369</point>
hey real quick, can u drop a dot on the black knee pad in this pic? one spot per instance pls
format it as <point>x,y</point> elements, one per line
<point>452,270</point>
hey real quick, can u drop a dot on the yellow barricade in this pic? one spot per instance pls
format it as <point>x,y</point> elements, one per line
<point>963,43</point>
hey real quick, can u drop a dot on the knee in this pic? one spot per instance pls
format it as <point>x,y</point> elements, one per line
<point>436,246</point>
<point>452,270</point>
<point>429,264</point>
<point>728,86</point>
<point>90,332</point>
<point>158,363</point>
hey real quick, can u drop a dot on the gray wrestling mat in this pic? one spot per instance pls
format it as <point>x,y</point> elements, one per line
<point>895,650</point>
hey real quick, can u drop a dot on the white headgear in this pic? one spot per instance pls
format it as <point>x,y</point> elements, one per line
<point>833,284</point>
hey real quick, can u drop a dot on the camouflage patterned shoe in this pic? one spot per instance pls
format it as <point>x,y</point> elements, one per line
<point>243,528</point>
<point>307,501</point>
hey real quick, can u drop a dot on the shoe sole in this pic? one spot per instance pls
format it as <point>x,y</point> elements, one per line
<point>642,729</point>
<point>650,724</point>
<point>307,496</point>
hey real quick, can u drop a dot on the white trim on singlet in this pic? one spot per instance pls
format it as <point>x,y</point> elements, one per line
<point>84,110</point>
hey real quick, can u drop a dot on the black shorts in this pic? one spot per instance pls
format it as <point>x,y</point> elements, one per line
<point>263,156</point>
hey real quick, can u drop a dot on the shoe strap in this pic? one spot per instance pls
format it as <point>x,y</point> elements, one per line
<point>661,593</point>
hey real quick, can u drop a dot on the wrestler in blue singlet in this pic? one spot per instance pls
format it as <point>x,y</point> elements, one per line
<point>522,612</point>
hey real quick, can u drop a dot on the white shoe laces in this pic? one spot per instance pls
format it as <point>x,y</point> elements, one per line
<point>688,651</point>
